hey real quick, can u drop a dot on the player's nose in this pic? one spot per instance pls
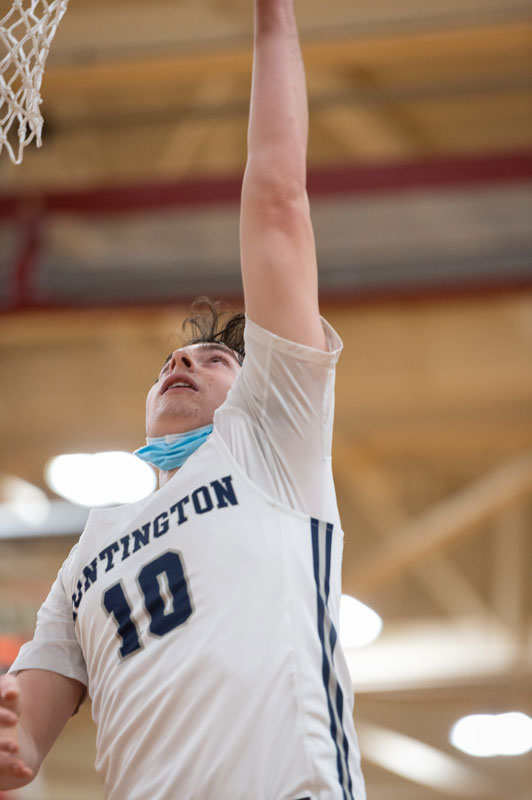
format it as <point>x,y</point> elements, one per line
<point>182,358</point>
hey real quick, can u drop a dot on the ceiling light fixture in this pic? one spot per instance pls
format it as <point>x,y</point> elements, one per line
<point>488,735</point>
<point>100,479</point>
<point>359,624</point>
<point>27,502</point>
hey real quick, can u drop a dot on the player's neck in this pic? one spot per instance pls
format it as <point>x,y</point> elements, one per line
<point>165,475</point>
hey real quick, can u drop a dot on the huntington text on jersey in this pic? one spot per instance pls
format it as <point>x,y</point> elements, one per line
<point>218,494</point>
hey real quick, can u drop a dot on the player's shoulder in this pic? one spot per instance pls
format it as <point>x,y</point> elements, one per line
<point>258,338</point>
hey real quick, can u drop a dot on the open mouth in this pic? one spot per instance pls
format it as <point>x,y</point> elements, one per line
<point>176,384</point>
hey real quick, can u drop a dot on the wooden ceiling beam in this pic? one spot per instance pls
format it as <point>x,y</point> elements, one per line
<point>186,142</point>
<point>510,564</point>
<point>445,524</point>
<point>372,489</point>
<point>422,764</point>
<point>358,129</point>
<point>492,42</point>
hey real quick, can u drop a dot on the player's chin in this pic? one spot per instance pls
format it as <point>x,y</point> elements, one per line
<point>174,412</point>
<point>176,403</point>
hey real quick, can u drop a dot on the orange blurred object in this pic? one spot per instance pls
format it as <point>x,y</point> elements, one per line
<point>9,647</point>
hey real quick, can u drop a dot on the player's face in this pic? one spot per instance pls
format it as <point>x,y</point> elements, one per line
<point>192,384</point>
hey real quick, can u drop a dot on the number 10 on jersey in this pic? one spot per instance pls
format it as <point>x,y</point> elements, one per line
<point>167,570</point>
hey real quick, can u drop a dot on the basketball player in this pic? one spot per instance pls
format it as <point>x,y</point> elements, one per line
<point>202,620</point>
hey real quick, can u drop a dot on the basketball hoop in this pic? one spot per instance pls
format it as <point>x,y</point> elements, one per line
<point>26,33</point>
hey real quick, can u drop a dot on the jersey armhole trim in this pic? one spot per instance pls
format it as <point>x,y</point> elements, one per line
<point>303,515</point>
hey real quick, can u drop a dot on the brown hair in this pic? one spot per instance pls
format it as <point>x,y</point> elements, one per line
<point>211,322</point>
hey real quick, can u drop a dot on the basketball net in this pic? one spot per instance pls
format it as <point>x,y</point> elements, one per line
<point>26,33</point>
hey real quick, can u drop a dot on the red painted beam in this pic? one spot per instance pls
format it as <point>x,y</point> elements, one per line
<point>411,176</point>
<point>27,260</point>
<point>458,172</point>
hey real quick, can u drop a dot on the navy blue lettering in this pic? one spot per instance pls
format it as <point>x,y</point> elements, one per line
<point>125,547</point>
<point>115,603</point>
<point>162,622</point>
<point>141,536</point>
<point>203,499</point>
<point>77,600</point>
<point>91,573</point>
<point>108,552</point>
<point>224,494</point>
<point>162,619</point>
<point>160,524</point>
<point>202,491</point>
<point>179,508</point>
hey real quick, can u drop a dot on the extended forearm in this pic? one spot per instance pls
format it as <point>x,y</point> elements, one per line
<point>18,767</point>
<point>278,255</point>
<point>40,703</point>
<point>278,125</point>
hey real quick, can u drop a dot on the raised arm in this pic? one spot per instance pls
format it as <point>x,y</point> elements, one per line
<point>276,238</point>
<point>34,707</point>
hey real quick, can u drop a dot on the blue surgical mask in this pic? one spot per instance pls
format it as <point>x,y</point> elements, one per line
<point>170,452</point>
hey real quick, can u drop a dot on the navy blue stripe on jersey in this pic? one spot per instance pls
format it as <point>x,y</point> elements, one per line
<point>328,548</point>
<point>322,533</point>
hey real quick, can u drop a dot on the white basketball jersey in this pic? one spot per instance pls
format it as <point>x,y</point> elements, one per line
<point>204,623</point>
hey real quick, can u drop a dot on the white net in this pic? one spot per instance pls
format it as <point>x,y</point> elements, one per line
<point>26,33</point>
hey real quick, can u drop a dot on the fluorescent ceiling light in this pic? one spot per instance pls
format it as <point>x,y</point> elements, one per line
<point>359,624</point>
<point>487,735</point>
<point>100,479</point>
<point>27,502</point>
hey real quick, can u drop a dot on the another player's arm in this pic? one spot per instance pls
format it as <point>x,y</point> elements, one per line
<point>34,708</point>
<point>276,237</point>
